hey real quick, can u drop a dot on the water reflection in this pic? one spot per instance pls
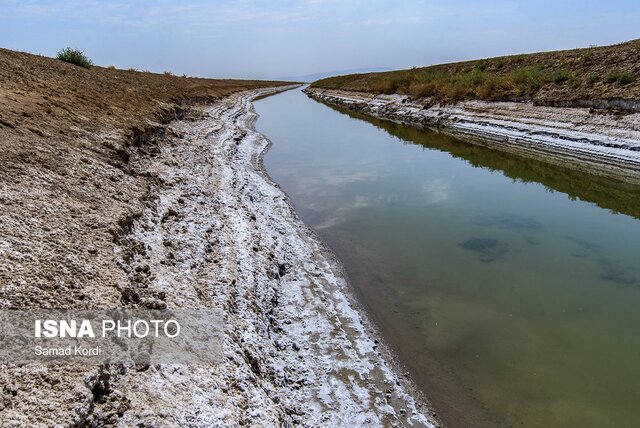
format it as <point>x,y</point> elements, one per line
<point>509,293</point>
<point>617,196</point>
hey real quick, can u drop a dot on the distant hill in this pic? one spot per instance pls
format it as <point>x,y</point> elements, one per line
<point>307,78</point>
<point>566,77</point>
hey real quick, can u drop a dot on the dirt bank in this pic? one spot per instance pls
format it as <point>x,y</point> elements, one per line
<point>71,145</point>
<point>218,233</point>
<point>600,143</point>
<point>123,189</point>
<point>296,350</point>
<point>602,77</point>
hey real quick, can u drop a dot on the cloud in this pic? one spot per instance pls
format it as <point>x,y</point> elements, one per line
<point>436,190</point>
<point>267,38</point>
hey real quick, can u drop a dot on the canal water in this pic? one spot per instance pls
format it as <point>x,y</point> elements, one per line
<point>510,288</point>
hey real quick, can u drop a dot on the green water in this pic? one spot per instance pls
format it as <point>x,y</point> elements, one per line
<point>509,287</point>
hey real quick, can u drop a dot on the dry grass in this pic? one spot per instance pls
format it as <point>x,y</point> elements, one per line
<point>598,72</point>
<point>58,98</point>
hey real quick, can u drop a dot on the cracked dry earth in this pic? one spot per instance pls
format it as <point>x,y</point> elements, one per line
<point>219,233</point>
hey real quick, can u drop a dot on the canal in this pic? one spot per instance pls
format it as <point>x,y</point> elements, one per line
<point>510,288</point>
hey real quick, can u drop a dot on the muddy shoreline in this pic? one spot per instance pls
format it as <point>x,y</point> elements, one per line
<point>407,404</point>
<point>604,144</point>
<point>385,349</point>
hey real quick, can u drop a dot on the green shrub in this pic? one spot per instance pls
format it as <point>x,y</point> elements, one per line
<point>495,88</point>
<point>625,78</point>
<point>621,77</point>
<point>588,55</point>
<point>473,78</point>
<point>527,80</point>
<point>560,76</point>
<point>75,57</point>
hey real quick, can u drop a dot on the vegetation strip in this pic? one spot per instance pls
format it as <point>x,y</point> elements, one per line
<point>609,74</point>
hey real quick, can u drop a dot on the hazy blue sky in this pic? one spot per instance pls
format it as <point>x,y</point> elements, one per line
<point>272,38</point>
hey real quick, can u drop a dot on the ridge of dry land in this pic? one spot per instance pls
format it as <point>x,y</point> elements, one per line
<point>72,142</point>
<point>606,77</point>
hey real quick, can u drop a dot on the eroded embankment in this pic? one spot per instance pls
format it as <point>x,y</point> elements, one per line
<point>217,232</point>
<point>606,144</point>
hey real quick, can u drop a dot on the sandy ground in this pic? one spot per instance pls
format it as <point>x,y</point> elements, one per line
<point>215,231</point>
<point>597,142</point>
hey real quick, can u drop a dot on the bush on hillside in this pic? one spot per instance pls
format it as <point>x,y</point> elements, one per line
<point>75,57</point>
<point>621,77</point>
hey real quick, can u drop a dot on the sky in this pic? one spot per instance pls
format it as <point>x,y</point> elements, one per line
<point>282,38</point>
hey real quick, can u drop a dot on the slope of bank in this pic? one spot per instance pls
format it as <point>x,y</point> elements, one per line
<point>216,232</point>
<point>606,144</point>
<point>124,189</point>
<point>71,145</point>
<point>296,350</point>
<point>606,77</point>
